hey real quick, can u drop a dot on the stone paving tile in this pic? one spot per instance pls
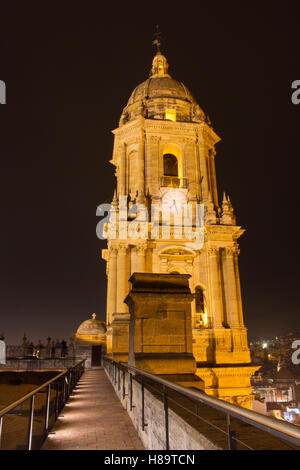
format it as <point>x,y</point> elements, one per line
<point>94,419</point>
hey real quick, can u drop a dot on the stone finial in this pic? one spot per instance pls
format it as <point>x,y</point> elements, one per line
<point>227,217</point>
<point>94,316</point>
<point>115,199</point>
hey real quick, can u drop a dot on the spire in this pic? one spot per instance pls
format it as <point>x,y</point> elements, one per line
<point>114,202</point>
<point>228,217</point>
<point>159,65</point>
<point>157,39</point>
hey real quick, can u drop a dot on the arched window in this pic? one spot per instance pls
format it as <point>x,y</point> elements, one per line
<point>199,298</point>
<point>170,165</point>
<point>201,314</point>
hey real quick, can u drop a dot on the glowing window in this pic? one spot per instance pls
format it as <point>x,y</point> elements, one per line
<point>170,114</point>
<point>201,314</point>
<point>170,165</point>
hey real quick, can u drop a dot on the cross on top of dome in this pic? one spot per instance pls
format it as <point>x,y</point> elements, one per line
<point>159,65</point>
<point>157,39</point>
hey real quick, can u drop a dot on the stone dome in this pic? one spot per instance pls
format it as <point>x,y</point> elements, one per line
<point>92,331</point>
<point>160,87</point>
<point>159,94</point>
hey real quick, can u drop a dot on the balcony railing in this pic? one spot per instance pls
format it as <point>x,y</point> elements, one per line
<point>173,182</point>
<point>241,428</point>
<point>56,391</point>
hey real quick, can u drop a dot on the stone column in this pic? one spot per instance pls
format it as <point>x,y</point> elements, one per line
<point>190,171</point>
<point>203,171</point>
<point>122,171</point>
<point>123,275</point>
<point>231,288</point>
<point>141,258</point>
<point>111,284</point>
<point>211,158</point>
<point>215,287</point>
<point>141,171</point>
<point>198,175</point>
<point>238,288</point>
<point>120,319</point>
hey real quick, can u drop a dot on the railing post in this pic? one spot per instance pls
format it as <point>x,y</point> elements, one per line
<point>47,408</point>
<point>131,405</point>
<point>1,424</point>
<point>56,400</point>
<point>118,379</point>
<point>63,392</point>
<point>124,394</point>
<point>166,419</point>
<point>60,392</point>
<point>60,398</point>
<point>143,407</point>
<point>30,423</point>
<point>230,435</point>
<point>70,383</point>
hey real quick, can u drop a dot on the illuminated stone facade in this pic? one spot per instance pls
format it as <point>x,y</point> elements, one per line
<point>164,153</point>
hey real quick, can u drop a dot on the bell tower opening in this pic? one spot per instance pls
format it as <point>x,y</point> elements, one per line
<point>201,314</point>
<point>170,165</point>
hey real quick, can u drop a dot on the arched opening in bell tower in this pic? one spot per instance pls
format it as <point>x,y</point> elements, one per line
<point>170,165</point>
<point>200,308</point>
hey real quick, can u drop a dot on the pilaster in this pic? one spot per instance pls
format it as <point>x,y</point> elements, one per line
<point>215,286</point>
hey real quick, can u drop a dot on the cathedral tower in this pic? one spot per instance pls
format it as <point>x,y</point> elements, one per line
<point>164,153</point>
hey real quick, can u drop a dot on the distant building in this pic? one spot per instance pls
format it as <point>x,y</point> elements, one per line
<point>277,392</point>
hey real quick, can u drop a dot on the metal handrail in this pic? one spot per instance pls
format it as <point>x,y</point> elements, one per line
<point>79,366</point>
<point>280,429</point>
<point>21,400</point>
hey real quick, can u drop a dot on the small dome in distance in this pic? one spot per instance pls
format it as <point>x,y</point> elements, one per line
<point>92,331</point>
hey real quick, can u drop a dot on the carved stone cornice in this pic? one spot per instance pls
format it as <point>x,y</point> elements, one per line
<point>129,127</point>
<point>208,134</point>
<point>223,232</point>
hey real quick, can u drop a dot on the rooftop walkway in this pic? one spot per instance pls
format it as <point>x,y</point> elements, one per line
<point>93,419</point>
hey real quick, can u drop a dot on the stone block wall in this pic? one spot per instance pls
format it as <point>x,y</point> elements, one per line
<point>182,436</point>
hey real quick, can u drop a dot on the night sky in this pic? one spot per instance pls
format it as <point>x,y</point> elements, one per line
<point>69,69</point>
